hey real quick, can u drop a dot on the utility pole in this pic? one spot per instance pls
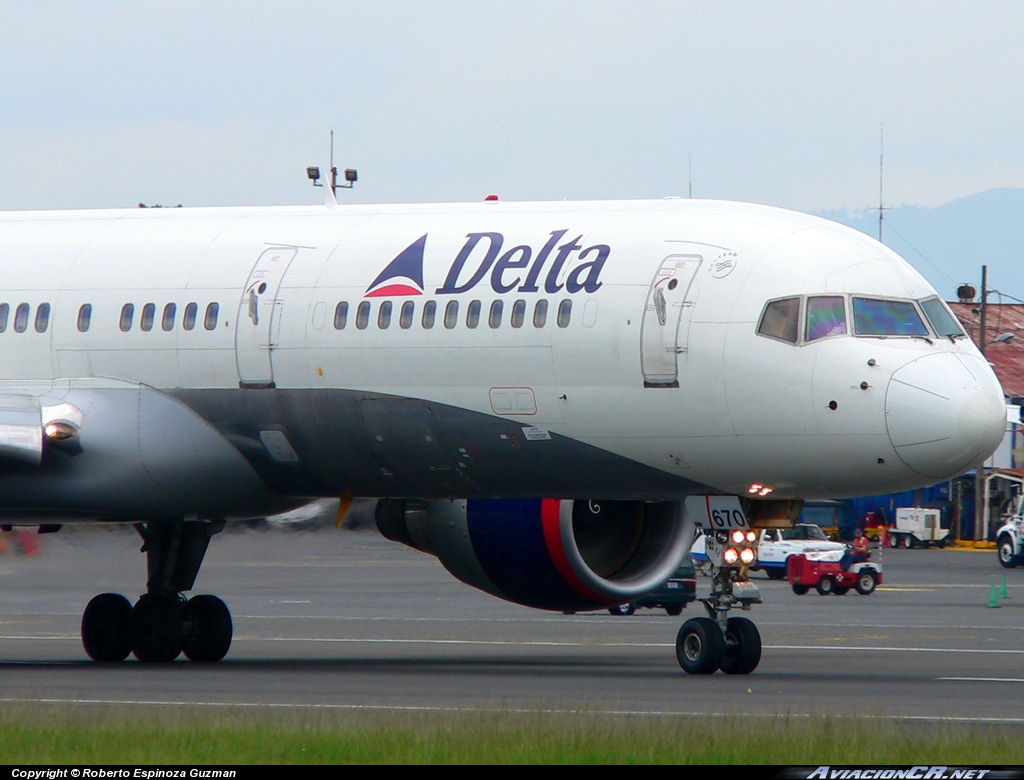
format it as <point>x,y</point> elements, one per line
<point>980,493</point>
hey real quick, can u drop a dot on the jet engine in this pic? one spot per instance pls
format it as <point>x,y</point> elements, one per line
<point>547,553</point>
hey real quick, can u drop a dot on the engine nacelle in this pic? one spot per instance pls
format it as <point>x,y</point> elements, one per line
<point>547,553</point>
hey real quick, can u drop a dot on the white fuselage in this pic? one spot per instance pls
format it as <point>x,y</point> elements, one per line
<point>653,373</point>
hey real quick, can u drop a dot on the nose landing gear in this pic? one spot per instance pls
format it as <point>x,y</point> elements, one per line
<point>732,644</point>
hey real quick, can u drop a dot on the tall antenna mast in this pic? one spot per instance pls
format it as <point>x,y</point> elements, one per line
<point>881,177</point>
<point>313,173</point>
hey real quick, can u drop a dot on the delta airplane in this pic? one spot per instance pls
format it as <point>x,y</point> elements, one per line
<point>549,397</point>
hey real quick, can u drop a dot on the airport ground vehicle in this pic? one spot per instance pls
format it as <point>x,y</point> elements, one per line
<point>828,515</point>
<point>828,576</point>
<point>673,596</point>
<point>777,545</point>
<point>1010,540</point>
<point>917,527</point>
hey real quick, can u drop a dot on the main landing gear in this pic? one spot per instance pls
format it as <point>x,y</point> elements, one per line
<point>162,624</point>
<point>732,644</point>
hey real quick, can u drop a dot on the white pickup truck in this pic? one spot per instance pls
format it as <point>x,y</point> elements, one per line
<point>777,544</point>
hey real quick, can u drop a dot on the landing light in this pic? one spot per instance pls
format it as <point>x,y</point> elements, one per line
<point>60,431</point>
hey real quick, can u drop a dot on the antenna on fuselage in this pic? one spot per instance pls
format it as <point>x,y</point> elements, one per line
<point>351,176</point>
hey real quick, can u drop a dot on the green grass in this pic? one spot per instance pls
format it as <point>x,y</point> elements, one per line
<point>38,734</point>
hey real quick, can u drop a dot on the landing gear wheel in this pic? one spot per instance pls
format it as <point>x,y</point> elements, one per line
<point>1007,555</point>
<point>207,628</point>
<point>700,646</point>
<point>865,584</point>
<point>105,628</point>
<point>742,647</point>
<point>154,628</point>
<point>826,585</point>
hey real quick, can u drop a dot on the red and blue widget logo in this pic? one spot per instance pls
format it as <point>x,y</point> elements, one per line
<point>403,275</point>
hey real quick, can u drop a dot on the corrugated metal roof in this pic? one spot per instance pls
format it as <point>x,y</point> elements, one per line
<point>1006,358</point>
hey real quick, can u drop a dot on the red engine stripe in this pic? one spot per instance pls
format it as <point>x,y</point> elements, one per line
<point>550,509</point>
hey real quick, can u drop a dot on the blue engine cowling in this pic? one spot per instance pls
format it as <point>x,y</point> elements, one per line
<point>547,553</point>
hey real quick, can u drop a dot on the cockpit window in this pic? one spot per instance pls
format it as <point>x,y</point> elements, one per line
<point>874,317</point>
<point>826,316</point>
<point>781,320</point>
<point>942,320</point>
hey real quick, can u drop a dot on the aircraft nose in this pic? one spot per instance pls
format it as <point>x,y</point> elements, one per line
<point>945,413</point>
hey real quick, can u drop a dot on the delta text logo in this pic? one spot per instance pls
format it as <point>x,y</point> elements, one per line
<point>572,268</point>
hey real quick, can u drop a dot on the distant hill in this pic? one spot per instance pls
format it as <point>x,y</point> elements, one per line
<point>949,244</point>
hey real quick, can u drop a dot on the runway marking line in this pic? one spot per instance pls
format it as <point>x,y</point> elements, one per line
<point>503,710</point>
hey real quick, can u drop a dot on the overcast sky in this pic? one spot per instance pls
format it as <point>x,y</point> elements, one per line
<point>210,103</point>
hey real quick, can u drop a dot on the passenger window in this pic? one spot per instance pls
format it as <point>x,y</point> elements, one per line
<point>84,317</point>
<point>473,314</point>
<point>494,318</point>
<point>564,313</point>
<point>148,314</point>
<point>405,319</point>
<point>341,315</point>
<point>826,316</point>
<point>540,314</point>
<point>188,320</point>
<point>212,311</point>
<point>384,315</point>
<point>363,315</point>
<point>42,317</point>
<point>170,311</point>
<point>451,314</point>
<point>781,320</point>
<point>127,315</point>
<point>874,317</point>
<point>429,314</point>
<point>21,318</point>
<point>4,312</point>
<point>518,313</point>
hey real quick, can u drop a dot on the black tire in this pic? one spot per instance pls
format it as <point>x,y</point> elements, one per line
<point>700,646</point>
<point>675,610</point>
<point>775,573</point>
<point>742,647</point>
<point>826,586</point>
<point>866,581</point>
<point>105,628</point>
<point>154,628</point>
<point>207,627</point>
<point>839,590</point>
<point>1007,552</point>
<point>894,541</point>
<point>622,609</point>
<point>908,542</point>
<point>800,590</point>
